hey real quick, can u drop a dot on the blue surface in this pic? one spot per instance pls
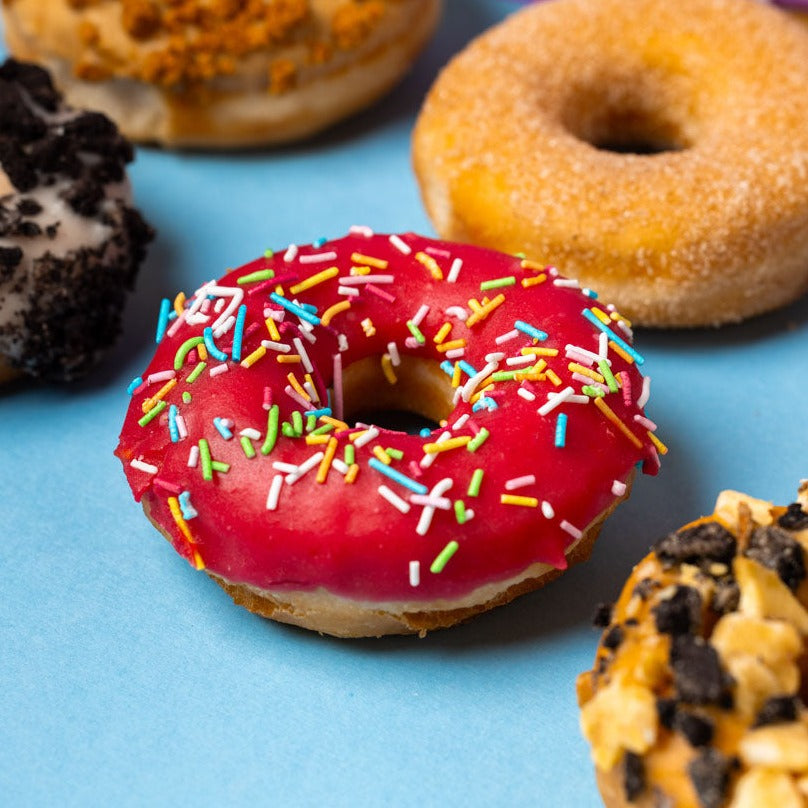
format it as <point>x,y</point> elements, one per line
<point>126,678</point>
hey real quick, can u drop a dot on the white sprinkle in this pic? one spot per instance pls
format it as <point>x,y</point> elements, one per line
<point>366,437</point>
<point>142,465</point>
<point>182,428</point>
<point>298,343</point>
<point>520,360</point>
<point>162,376</point>
<point>420,314</point>
<point>646,422</point>
<point>461,421</point>
<point>235,294</point>
<point>341,467</point>
<point>415,573</point>
<point>412,343</point>
<point>360,230</point>
<point>547,510</point>
<point>457,265</point>
<point>582,356</point>
<point>395,358</point>
<point>471,385</point>
<point>218,305</point>
<point>295,396</point>
<point>618,488</point>
<point>249,432</point>
<point>440,503</point>
<point>525,394</point>
<point>603,346</point>
<point>348,290</point>
<point>455,353</point>
<point>459,312</point>
<point>193,457</point>
<point>567,283</point>
<point>217,369</point>
<point>224,327</point>
<point>313,394</point>
<point>275,314</point>
<point>520,482</point>
<point>428,459</point>
<point>400,245</point>
<point>555,399</point>
<point>342,342</point>
<point>303,468</point>
<point>286,468</point>
<point>276,346</point>
<point>274,492</point>
<point>438,490</point>
<point>552,271</point>
<point>571,529</point>
<point>646,392</point>
<point>497,356</point>
<point>587,380</point>
<point>356,280</point>
<point>318,258</point>
<point>507,337</point>
<point>469,514</point>
<point>290,254</point>
<point>625,329</point>
<point>394,499</point>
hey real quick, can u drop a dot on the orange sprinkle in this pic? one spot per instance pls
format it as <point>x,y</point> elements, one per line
<point>320,277</point>
<point>387,369</point>
<point>609,413</point>
<point>176,512</point>
<point>431,264</point>
<point>534,281</point>
<point>202,350</point>
<point>298,387</point>
<point>485,310</point>
<point>352,472</point>
<point>551,375</point>
<point>451,345</point>
<point>198,562</point>
<point>620,352</point>
<point>340,426</point>
<point>313,386</point>
<point>325,463</point>
<point>382,455</point>
<point>378,263</point>
<point>532,265</point>
<point>332,311</point>
<point>617,317</point>
<point>661,447</point>
<point>179,303</point>
<point>287,359</point>
<point>150,403</point>
<point>443,332</point>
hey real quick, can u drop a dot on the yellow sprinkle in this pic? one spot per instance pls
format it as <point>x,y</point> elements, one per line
<point>617,317</point>
<point>551,375</point>
<point>534,281</point>
<point>445,446</point>
<point>316,440</point>
<point>287,359</point>
<point>379,263</point>
<point>474,304</point>
<point>620,352</point>
<point>279,290</point>
<point>527,264</point>
<point>176,512</point>
<point>485,310</point>
<point>352,472</point>
<point>360,270</point>
<point>325,463</point>
<point>257,354</point>
<point>661,447</point>
<point>332,311</point>
<point>533,373</point>
<point>456,375</point>
<point>512,499</point>
<point>451,345</point>
<point>340,426</point>
<point>431,264</point>
<point>274,334</point>
<point>601,315</point>
<point>325,275</point>
<point>198,562</point>
<point>298,387</point>
<point>354,435</point>
<point>609,413</point>
<point>179,303</point>
<point>150,403</point>
<point>387,369</point>
<point>481,391</point>
<point>540,351</point>
<point>202,351</point>
<point>585,371</point>
<point>443,332</point>
<point>382,455</point>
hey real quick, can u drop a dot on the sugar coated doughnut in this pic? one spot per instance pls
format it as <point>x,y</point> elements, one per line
<point>70,241</point>
<point>697,698</point>
<point>254,443</point>
<point>221,73</point>
<point>656,150</point>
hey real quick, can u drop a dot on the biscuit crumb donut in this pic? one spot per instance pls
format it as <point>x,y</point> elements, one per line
<point>637,144</point>
<point>70,241</point>
<point>698,694</point>
<point>217,73</point>
<point>242,442</point>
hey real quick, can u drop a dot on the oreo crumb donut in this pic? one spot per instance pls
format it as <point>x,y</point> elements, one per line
<point>656,150</point>
<point>698,694</point>
<point>242,443</point>
<point>221,73</point>
<point>70,243</point>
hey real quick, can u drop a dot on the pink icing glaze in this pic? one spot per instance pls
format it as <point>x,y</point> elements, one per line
<point>346,537</point>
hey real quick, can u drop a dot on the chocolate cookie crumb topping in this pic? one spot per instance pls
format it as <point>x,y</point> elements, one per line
<point>774,548</point>
<point>795,518</point>
<point>633,776</point>
<point>602,616</point>
<point>698,729</point>
<point>697,672</point>
<point>708,541</point>
<point>680,613</point>
<point>778,709</point>
<point>613,638</point>
<point>710,772</point>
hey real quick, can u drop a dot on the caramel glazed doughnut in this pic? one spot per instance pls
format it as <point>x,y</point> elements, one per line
<point>218,73</point>
<point>70,242</point>
<point>520,145</point>
<point>697,698</point>
<point>241,439</point>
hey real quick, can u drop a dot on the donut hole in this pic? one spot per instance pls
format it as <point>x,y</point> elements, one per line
<point>420,398</point>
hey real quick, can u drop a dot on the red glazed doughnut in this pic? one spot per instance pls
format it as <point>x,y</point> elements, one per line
<point>356,530</point>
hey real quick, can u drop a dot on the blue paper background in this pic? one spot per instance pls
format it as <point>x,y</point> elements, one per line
<point>126,678</point>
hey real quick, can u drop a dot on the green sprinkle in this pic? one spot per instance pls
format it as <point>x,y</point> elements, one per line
<point>247,446</point>
<point>498,283</point>
<point>186,397</point>
<point>520,255</point>
<point>272,429</point>
<point>297,423</point>
<point>261,275</point>
<point>222,467</point>
<point>607,374</point>
<point>204,457</point>
<point>152,413</point>
<point>194,374</point>
<point>416,332</point>
<point>592,392</point>
<point>185,349</point>
<point>268,253</point>
<point>460,511</point>
<point>478,440</point>
<point>396,454</point>
<point>350,454</point>
<point>323,430</point>
<point>476,482</point>
<point>311,422</point>
<point>503,376</point>
<point>288,430</point>
<point>443,557</point>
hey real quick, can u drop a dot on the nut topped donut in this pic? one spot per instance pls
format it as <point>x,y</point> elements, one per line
<point>242,442</point>
<point>217,72</point>
<point>698,695</point>
<point>657,150</point>
<point>70,242</point>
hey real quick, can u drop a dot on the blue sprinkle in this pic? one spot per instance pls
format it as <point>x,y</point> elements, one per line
<point>590,293</point>
<point>528,329</point>
<point>173,429</point>
<point>397,476</point>
<point>162,319</point>
<point>485,403</point>
<point>561,431</point>
<point>188,510</point>
<point>207,336</point>
<point>467,368</point>
<point>134,384</point>
<point>222,429</point>
<point>309,307</point>
<point>425,432</point>
<point>320,241</point>
<point>318,413</point>
<point>618,340</point>
<point>447,367</point>
<point>238,333</point>
<point>295,309</point>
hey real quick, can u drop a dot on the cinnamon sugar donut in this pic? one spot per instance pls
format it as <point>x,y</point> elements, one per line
<point>70,241</point>
<point>242,444</point>
<point>218,73</point>
<point>698,695</point>
<point>656,150</point>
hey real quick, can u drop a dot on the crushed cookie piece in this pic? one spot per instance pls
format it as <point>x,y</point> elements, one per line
<point>10,257</point>
<point>666,710</point>
<point>680,613</point>
<point>613,638</point>
<point>778,709</point>
<point>774,548</point>
<point>697,729</point>
<point>710,773</point>
<point>795,518</point>
<point>707,541</point>
<point>698,675</point>
<point>726,596</point>
<point>645,587</point>
<point>633,776</point>
<point>603,615</point>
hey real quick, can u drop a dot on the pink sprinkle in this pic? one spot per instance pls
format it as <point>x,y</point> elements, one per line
<point>140,388</point>
<point>275,314</point>
<point>395,358</point>
<point>520,482</point>
<point>170,487</point>
<point>618,488</point>
<point>359,280</point>
<point>454,271</point>
<point>411,342</point>
<point>436,251</point>
<point>443,503</point>
<point>360,230</point>
<point>267,398</point>
<point>318,258</point>
<point>507,337</point>
<point>400,245</point>
<point>193,457</point>
<point>625,386</point>
<point>375,290</point>
<point>455,353</point>
<point>339,410</point>
<point>582,359</point>
<point>646,422</point>
<point>420,314</point>
<point>261,287</point>
<point>290,254</point>
<point>174,327</point>
<point>646,392</point>
<point>215,371</point>
<point>295,396</point>
<point>181,427</point>
<point>571,529</point>
<point>472,424</point>
<point>415,469</point>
